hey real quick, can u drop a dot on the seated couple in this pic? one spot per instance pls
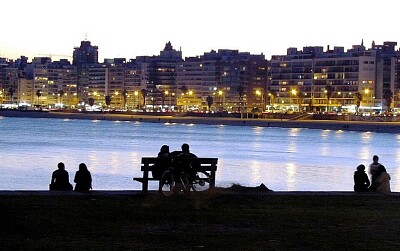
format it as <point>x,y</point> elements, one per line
<point>380,179</point>
<point>176,159</point>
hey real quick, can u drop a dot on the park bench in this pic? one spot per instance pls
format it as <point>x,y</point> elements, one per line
<point>208,165</point>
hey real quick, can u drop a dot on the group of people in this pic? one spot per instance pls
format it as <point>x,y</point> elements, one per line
<point>175,159</point>
<point>60,179</point>
<point>380,179</point>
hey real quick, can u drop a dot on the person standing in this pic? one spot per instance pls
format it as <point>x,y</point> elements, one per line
<point>83,179</point>
<point>60,179</point>
<point>373,167</point>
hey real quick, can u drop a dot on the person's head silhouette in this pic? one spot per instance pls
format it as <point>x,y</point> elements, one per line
<point>82,167</point>
<point>185,148</point>
<point>61,166</point>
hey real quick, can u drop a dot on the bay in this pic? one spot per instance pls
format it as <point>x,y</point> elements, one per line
<point>284,159</point>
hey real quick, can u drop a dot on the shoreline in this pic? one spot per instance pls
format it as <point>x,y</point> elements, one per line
<point>216,191</point>
<point>359,126</point>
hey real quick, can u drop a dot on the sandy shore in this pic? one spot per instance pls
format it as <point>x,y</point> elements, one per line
<point>363,126</point>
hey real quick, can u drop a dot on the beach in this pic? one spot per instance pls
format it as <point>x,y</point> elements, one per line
<point>361,126</point>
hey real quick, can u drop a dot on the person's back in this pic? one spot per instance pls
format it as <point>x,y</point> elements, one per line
<point>382,182</point>
<point>60,179</point>
<point>373,167</point>
<point>163,162</point>
<point>183,161</point>
<point>83,179</point>
<point>361,181</point>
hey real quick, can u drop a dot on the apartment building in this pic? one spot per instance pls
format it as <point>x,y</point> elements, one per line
<point>310,79</point>
<point>318,80</point>
<point>229,77</point>
<point>85,54</point>
<point>93,84</point>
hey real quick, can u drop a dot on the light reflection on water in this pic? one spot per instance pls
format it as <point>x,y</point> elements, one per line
<point>283,159</point>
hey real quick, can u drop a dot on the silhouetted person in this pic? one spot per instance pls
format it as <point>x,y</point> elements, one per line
<point>361,181</point>
<point>382,181</point>
<point>373,167</point>
<point>185,152</point>
<point>83,179</point>
<point>183,161</point>
<point>60,179</point>
<point>163,162</point>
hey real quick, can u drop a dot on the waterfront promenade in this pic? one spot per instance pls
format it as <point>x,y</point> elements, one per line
<point>362,126</point>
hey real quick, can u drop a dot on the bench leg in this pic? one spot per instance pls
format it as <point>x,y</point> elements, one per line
<point>212,181</point>
<point>145,184</point>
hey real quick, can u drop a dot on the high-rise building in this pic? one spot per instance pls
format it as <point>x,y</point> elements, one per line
<point>314,79</point>
<point>85,54</point>
<point>233,80</point>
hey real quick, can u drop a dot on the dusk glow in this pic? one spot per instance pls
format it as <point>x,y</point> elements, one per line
<point>134,28</point>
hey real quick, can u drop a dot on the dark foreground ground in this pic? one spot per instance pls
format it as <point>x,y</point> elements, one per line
<point>216,220</point>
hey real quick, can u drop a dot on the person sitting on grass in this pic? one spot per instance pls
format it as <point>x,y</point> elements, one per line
<point>382,182</point>
<point>60,179</point>
<point>361,181</point>
<point>83,179</point>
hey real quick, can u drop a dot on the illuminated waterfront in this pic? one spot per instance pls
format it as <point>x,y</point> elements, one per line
<point>283,159</point>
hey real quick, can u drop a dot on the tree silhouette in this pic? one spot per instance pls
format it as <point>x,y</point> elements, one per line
<point>124,97</point>
<point>300,97</point>
<point>240,90</point>
<point>144,94</point>
<point>39,94</point>
<point>108,101</point>
<point>388,96</point>
<point>91,102</point>
<point>329,91</point>
<point>11,92</point>
<point>210,101</point>
<point>358,98</point>
<point>61,93</point>
<point>184,89</point>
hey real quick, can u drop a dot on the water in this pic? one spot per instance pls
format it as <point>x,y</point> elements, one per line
<point>283,159</point>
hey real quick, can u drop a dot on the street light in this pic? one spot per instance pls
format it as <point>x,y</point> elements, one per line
<point>294,93</point>
<point>366,91</point>
<point>169,100</point>
<point>220,93</point>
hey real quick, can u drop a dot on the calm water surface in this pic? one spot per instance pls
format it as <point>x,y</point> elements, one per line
<point>283,159</point>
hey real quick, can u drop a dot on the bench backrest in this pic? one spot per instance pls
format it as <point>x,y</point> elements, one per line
<point>207,164</point>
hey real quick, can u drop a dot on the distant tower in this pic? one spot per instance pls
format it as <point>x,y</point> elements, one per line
<point>85,54</point>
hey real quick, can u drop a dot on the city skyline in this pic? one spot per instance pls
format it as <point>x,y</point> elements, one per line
<point>124,29</point>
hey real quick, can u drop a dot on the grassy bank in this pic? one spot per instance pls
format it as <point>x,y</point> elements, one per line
<point>212,221</point>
